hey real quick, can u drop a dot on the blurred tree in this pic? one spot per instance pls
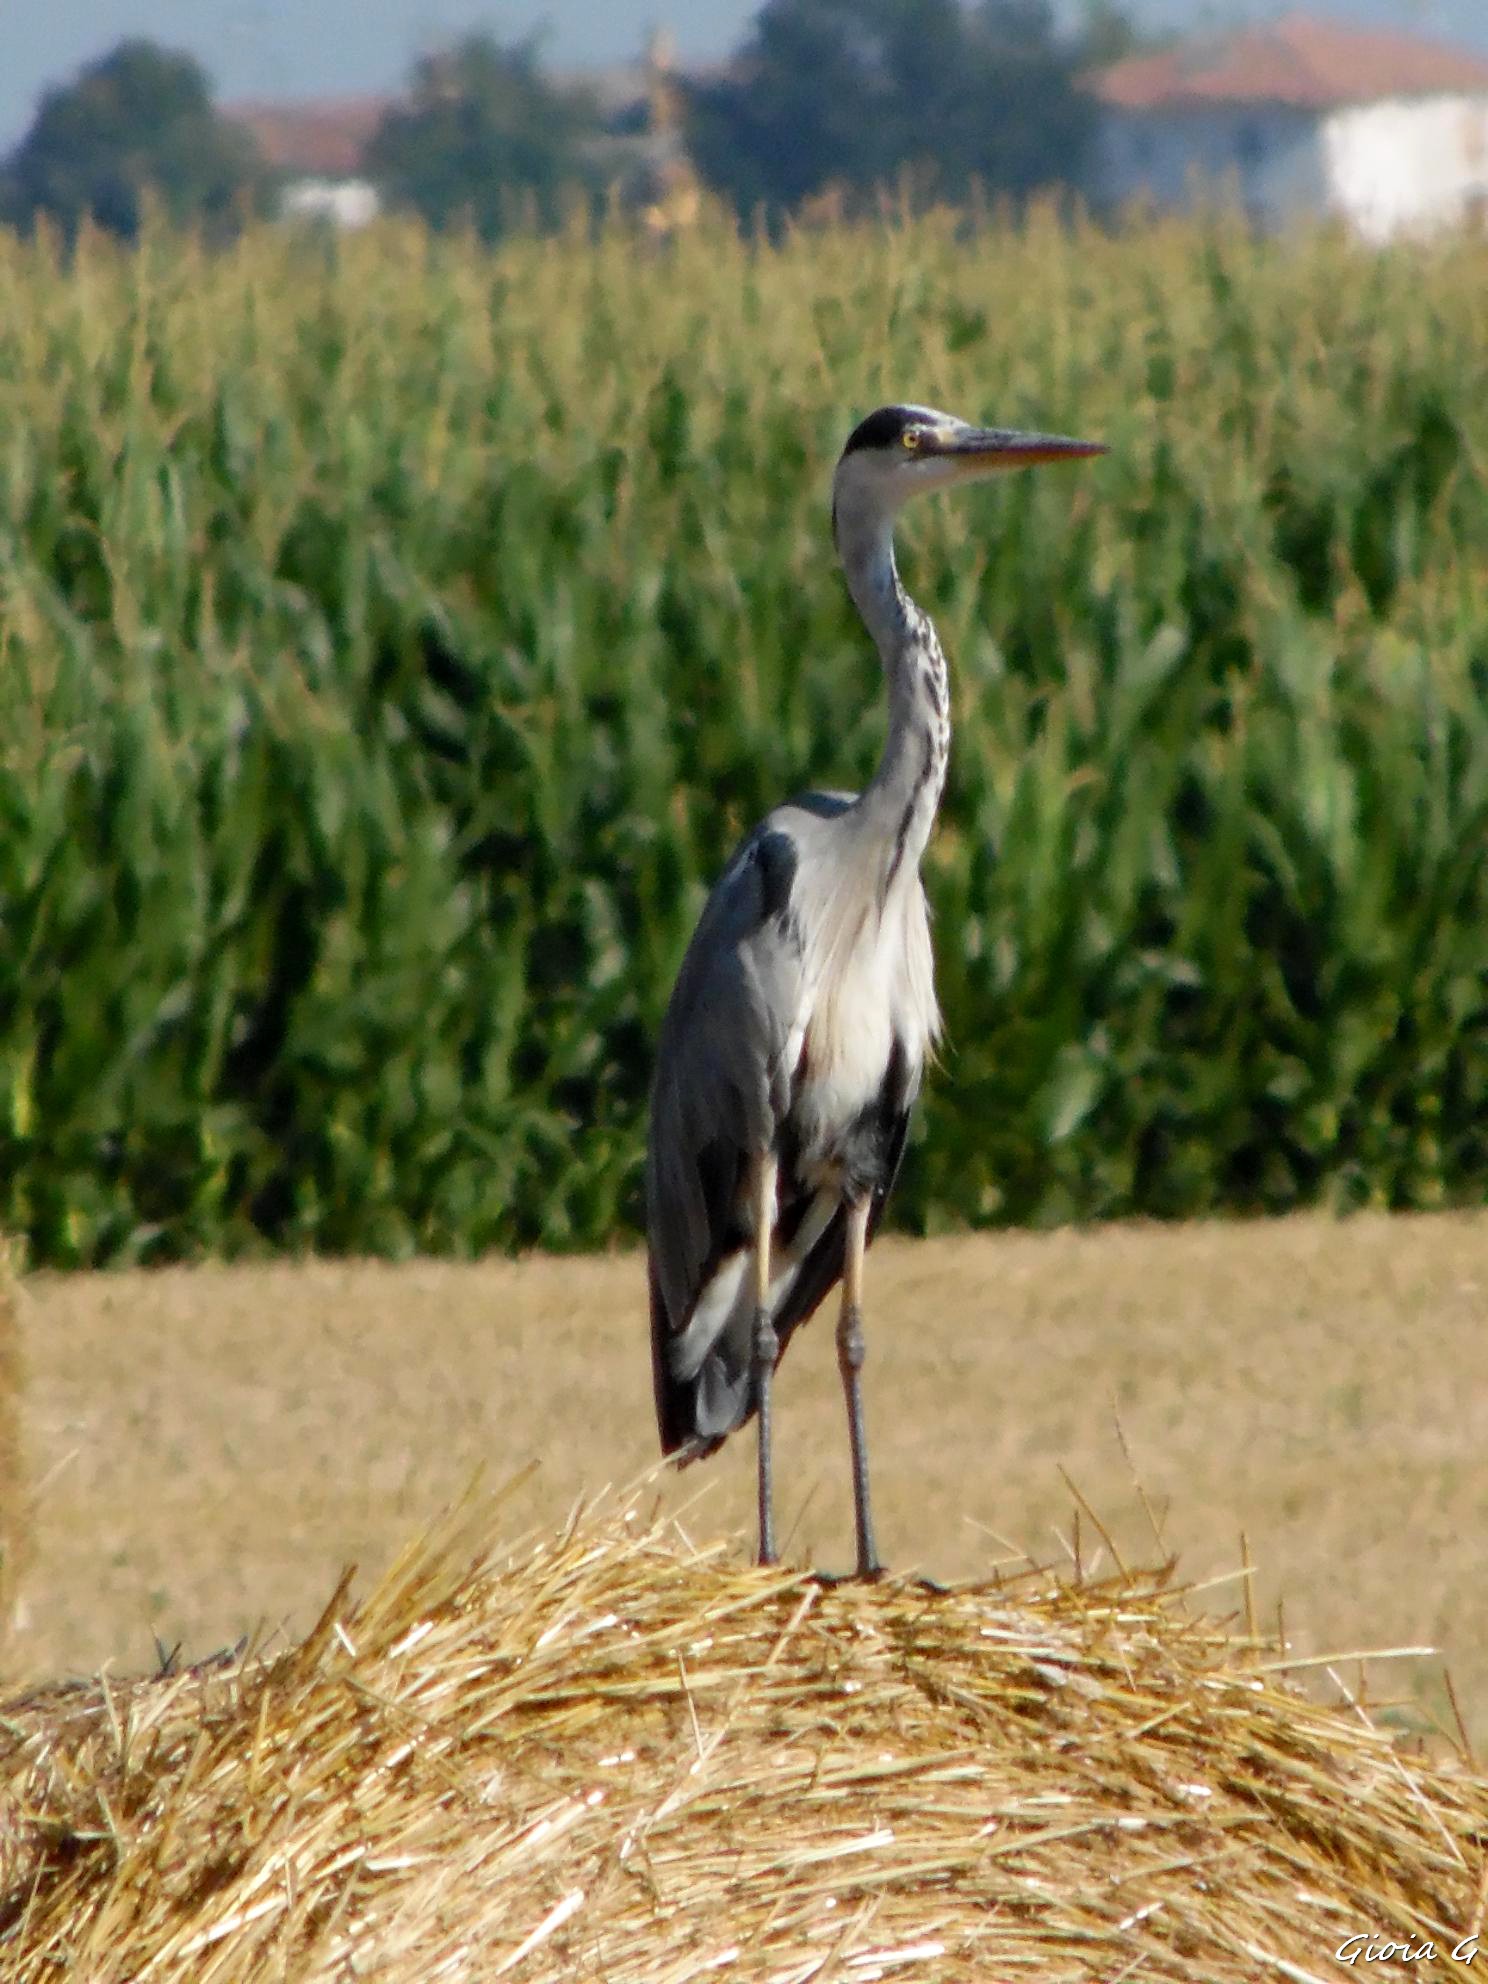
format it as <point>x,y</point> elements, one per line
<point>484,132</point>
<point>856,92</point>
<point>134,128</point>
<point>1108,33</point>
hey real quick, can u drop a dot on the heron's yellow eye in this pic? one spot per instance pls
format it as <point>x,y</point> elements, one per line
<point>910,438</point>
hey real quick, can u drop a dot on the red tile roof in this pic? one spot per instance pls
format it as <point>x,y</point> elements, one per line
<point>1304,61</point>
<point>323,140</point>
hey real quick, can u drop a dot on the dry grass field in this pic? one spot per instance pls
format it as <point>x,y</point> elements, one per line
<point>208,1447</point>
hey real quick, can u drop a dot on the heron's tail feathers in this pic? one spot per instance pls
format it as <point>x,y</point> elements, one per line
<point>694,1447</point>
<point>695,1413</point>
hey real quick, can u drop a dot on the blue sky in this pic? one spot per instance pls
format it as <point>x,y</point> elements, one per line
<point>281,48</point>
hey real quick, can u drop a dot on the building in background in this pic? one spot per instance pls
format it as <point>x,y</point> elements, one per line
<point>670,196</point>
<point>319,148</point>
<point>1302,119</point>
<point>641,153</point>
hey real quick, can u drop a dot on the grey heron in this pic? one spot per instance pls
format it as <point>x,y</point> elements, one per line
<point>804,1010</point>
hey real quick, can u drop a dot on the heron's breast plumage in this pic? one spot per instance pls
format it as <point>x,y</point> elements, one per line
<point>870,1005</point>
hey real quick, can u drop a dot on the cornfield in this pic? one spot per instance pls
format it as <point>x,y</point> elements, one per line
<point>397,634</point>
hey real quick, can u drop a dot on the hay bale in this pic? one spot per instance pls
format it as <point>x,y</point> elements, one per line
<point>613,1756</point>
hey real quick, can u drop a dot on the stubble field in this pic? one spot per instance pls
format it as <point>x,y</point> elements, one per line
<point>208,1447</point>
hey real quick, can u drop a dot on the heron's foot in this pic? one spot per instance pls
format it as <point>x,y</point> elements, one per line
<point>828,1580</point>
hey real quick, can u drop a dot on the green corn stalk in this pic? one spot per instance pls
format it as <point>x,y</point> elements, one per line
<point>396,634</point>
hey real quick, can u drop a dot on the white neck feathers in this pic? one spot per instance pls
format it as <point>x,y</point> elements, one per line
<point>899,805</point>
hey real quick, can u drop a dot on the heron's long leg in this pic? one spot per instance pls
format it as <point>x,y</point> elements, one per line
<point>766,1345</point>
<point>850,1355</point>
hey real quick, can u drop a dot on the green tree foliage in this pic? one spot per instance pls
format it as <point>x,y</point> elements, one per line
<point>854,93</point>
<point>1108,34</point>
<point>483,137</point>
<point>134,129</point>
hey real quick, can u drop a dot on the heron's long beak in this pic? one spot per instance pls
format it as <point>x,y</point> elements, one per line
<point>982,448</point>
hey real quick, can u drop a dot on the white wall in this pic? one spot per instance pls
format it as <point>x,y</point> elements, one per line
<point>1266,157</point>
<point>342,202</point>
<point>1404,167</point>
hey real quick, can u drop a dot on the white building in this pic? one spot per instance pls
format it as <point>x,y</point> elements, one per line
<point>1303,119</point>
<point>341,202</point>
<point>318,148</point>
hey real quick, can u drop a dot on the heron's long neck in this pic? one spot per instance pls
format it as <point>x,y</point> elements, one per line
<point>899,804</point>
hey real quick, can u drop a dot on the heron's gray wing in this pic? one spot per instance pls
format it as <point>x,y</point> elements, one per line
<point>721,1085</point>
<point>723,1072</point>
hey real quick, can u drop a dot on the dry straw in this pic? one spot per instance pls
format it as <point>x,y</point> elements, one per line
<point>612,1755</point>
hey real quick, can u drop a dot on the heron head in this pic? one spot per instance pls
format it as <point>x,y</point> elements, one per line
<point>900,451</point>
